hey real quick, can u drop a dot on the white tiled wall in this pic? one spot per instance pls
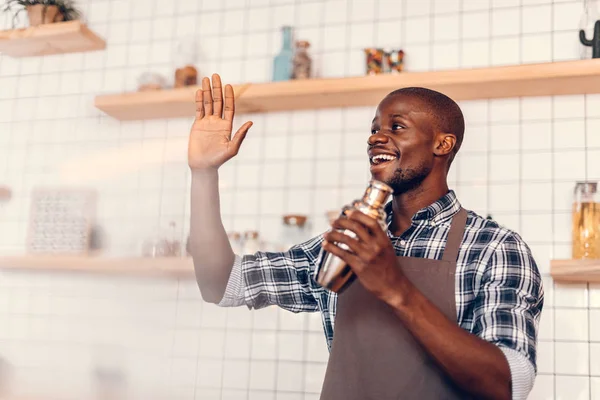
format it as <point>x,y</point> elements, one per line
<point>519,162</point>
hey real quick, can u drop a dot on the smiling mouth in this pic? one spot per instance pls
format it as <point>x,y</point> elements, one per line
<point>382,159</point>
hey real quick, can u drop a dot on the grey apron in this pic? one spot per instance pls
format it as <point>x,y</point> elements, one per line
<point>373,356</point>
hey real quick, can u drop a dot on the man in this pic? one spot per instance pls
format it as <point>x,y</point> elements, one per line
<point>446,304</point>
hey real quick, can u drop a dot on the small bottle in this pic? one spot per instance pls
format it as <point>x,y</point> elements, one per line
<point>251,242</point>
<point>302,61</point>
<point>282,65</point>
<point>235,239</point>
<point>332,272</point>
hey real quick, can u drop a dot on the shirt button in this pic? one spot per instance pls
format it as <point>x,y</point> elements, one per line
<point>403,242</point>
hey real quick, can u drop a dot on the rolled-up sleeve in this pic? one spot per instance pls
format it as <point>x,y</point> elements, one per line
<point>283,279</point>
<point>507,309</point>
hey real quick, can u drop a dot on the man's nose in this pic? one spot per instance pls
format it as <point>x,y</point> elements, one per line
<point>378,138</point>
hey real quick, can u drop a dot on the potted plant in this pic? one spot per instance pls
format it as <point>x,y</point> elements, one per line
<point>43,11</point>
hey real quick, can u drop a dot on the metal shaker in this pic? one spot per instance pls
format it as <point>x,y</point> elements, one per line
<point>332,272</point>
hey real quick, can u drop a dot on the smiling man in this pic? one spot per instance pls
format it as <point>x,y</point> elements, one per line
<point>446,304</point>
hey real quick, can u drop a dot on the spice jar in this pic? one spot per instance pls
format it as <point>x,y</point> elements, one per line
<point>302,62</point>
<point>586,221</point>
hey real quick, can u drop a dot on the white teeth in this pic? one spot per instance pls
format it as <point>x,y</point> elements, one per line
<point>382,157</point>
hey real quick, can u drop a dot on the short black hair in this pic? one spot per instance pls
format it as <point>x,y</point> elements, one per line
<point>447,114</point>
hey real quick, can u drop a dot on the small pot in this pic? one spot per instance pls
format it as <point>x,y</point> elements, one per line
<point>295,220</point>
<point>40,14</point>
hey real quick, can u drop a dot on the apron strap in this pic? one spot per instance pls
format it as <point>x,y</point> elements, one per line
<point>457,229</point>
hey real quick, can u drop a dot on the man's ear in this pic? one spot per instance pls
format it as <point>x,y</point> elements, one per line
<point>444,144</point>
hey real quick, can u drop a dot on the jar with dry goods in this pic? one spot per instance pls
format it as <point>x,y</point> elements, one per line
<point>586,221</point>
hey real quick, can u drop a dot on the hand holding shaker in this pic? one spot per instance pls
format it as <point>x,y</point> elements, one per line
<point>332,272</point>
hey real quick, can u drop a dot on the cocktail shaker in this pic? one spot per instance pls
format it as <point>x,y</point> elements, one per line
<point>332,272</point>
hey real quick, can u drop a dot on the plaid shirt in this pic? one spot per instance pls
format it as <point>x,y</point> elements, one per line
<point>499,293</point>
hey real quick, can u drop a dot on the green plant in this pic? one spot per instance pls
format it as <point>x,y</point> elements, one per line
<point>65,7</point>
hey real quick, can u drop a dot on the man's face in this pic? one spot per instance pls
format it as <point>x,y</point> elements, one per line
<point>401,143</point>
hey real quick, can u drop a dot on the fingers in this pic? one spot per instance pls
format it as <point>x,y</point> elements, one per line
<point>357,227</point>
<point>207,96</point>
<point>217,95</point>
<point>339,237</point>
<point>199,105</point>
<point>229,103</point>
<point>240,135</point>
<point>371,224</point>
<point>349,258</point>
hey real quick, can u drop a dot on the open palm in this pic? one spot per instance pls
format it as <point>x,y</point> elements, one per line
<point>210,144</point>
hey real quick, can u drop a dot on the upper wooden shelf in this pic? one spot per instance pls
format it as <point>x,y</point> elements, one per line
<point>559,78</point>
<point>575,271</point>
<point>57,38</point>
<point>169,267</point>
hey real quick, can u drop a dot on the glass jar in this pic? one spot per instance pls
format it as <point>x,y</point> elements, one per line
<point>294,230</point>
<point>586,221</point>
<point>302,61</point>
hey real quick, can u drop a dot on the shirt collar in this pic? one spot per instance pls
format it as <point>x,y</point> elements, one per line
<point>438,212</point>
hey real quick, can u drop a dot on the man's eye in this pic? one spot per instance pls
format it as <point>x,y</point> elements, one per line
<point>374,131</point>
<point>397,126</point>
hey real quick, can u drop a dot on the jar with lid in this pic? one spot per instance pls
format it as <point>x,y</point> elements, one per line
<point>302,63</point>
<point>294,230</point>
<point>586,221</point>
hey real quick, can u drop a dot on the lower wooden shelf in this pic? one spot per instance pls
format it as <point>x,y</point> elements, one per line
<point>575,271</point>
<point>169,267</point>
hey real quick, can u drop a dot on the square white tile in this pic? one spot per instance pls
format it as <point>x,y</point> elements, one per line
<point>571,358</point>
<point>262,375</point>
<point>571,324</point>
<point>536,136</point>
<point>475,54</point>
<point>506,51</point>
<point>506,22</point>
<point>537,166</point>
<point>571,295</point>
<point>289,375</point>
<point>536,49</point>
<point>536,18</point>
<point>505,167</point>
<point>236,374</point>
<point>572,387</point>
<point>475,25</point>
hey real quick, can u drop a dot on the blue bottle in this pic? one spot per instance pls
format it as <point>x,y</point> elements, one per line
<point>282,65</point>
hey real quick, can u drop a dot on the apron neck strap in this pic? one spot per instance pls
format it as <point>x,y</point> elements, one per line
<point>457,229</point>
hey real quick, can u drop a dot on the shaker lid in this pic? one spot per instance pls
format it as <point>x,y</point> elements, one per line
<point>586,186</point>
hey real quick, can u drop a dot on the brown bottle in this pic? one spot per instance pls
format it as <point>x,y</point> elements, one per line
<point>332,272</point>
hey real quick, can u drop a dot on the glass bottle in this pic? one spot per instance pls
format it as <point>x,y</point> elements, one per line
<point>586,221</point>
<point>332,272</point>
<point>302,61</point>
<point>586,23</point>
<point>282,65</point>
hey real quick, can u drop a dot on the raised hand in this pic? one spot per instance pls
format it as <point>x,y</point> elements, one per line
<point>210,144</point>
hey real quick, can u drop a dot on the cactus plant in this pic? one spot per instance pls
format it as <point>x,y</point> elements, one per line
<point>594,42</point>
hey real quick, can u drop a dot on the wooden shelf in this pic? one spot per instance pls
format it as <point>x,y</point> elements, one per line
<point>169,267</point>
<point>57,38</point>
<point>560,78</point>
<point>574,271</point>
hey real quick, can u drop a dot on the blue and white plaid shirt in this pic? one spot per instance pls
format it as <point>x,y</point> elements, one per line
<point>499,293</point>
